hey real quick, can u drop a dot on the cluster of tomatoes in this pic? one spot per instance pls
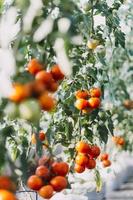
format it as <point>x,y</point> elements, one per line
<point>49,177</point>
<point>86,156</point>
<point>118,140</point>
<point>37,93</point>
<point>87,101</point>
<point>7,188</point>
<point>105,160</point>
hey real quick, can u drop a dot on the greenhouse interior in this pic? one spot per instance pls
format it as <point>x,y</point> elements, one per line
<point>66,99</point>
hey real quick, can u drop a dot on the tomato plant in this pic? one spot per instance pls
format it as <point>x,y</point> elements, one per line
<point>64,78</point>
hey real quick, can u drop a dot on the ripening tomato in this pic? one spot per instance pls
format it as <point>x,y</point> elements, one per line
<point>83,147</point>
<point>82,94</point>
<point>38,87</point>
<point>106,163</point>
<point>95,151</point>
<point>45,77</point>
<point>95,92</point>
<point>121,141</point>
<point>104,156</point>
<point>58,183</point>
<point>57,73</point>
<point>46,192</point>
<point>91,164</point>
<point>94,102</point>
<point>6,183</point>
<point>79,168</point>
<point>43,171</point>
<point>60,168</point>
<point>19,93</point>
<point>47,102</point>
<point>81,159</point>
<point>6,195</point>
<point>81,104</point>
<point>53,87</point>
<point>115,139</point>
<point>42,136</point>
<point>34,66</point>
<point>34,182</point>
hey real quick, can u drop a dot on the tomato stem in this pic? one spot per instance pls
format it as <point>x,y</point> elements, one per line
<point>92,17</point>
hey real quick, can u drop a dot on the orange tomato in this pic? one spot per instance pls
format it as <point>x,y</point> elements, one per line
<point>104,156</point>
<point>57,73</point>
<point>45,77</point>
<point>95,92</point>
<point>106,163</point>
<point>79,168</point>
<point>53,87</point>
<point>83,147</point>
<point>81,104</point>
<point>94,102</point>
<point>121,141</point>
<point>81,159</point>
<point>91,164</point>
<point>38,87</point>
<point>19,93</point>
<point>82,94</point>
<point>58,183</point>
<point>60,168</point>
<point>6,195</point>
<point>42,136</point>
<point>46,192</point>
<point>34,182</point>
<point>115,139</point>
<point>43,171</point>
<point>47,102</point>
<point>6,183</point>
<point>34,66</point>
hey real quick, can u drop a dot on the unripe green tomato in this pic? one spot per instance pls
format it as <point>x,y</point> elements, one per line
<point>30,110</point>
<point>11,111</point>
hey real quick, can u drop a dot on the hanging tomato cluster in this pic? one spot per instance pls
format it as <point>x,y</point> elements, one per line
<point>105,160</point>
<point>7,188</point>
<point>86,156</point>
<point>87,101</point>
<point>49,177</point>
<point>118,140</point>
<point>37,94</point>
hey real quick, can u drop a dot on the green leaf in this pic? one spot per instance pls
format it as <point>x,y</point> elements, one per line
<point>103,133</point>
<point>119,38</point>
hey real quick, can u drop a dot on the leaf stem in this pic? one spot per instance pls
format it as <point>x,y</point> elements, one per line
<point>92,18</point>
